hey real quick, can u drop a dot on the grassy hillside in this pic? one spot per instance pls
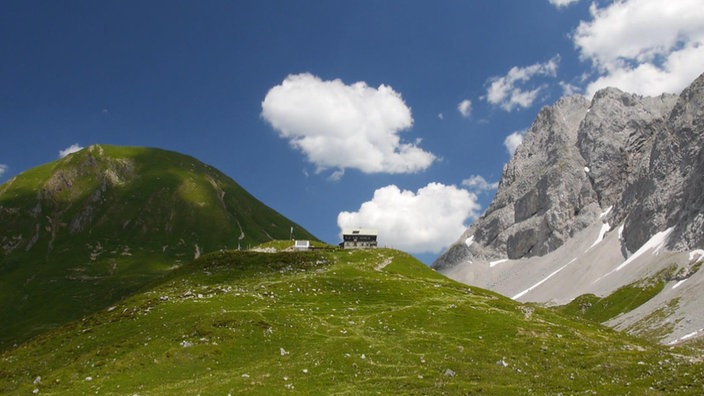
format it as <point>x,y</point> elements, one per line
<point>624,299</point>
<point>335,322</point>
<point>83,232</point>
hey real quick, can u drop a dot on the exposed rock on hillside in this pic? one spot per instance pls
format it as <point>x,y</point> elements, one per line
<point>544,195</point>
<point>615,139</point>
<point>633,163</point>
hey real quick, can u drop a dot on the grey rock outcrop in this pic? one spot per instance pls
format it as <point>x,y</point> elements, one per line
<point>598,196</point>
<point>544,195</point>
<point>666,189</point>
<point>641,156</point>
<point>615,138</point>
<point>688,119</point>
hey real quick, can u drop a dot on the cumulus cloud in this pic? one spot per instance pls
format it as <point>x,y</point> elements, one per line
<point>513,90</point>
<point>70,150</point>
<point>562,3</point>
<point>339,126</point>
<point>643,46</point>
<point>3,169</point>
<point>513,140</point>
<point>465,108</point>
<point>479,184</point>
<point>425,221</point>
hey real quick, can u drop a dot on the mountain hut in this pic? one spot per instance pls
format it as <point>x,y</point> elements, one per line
<point>359,238</point>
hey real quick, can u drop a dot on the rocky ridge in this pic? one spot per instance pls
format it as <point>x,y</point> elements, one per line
<point>620,162</point>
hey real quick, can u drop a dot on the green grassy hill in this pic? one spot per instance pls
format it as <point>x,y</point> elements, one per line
<point>82,232</point>
<point>335,322</point>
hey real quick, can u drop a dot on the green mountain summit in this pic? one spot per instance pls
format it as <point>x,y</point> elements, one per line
<point>82,232</point>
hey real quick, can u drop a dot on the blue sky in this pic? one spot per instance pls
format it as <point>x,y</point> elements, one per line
<point>396,115</point>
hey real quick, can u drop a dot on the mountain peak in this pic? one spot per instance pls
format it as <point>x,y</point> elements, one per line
<point>621,161</point>
<point>105,220</point>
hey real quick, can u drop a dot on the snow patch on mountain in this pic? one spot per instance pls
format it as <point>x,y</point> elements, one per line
<point>469,241</point>
<point>656,243</point>
<point>604,229</point>
<point>521,294</point>
<point>497,262</point>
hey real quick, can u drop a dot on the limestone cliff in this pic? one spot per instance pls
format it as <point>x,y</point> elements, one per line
<point>640,155</point>
<point>601,194</point>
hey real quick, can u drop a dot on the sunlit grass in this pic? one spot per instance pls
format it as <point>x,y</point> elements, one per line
<point>623,300</point>
<point>334,322</point>
<point>85,231</point>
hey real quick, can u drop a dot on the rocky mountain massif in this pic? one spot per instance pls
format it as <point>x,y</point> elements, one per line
<point>82,232</point>
<point>601,195</point>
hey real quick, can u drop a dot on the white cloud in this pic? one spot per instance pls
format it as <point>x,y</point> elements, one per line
<point>562,3</point>
<point>339,126</point>
<point>336,175</point>
<point>479,184</point>
<point>513,140</point>
<point>70,150</point>
<point>510,91</point>
<point>3,169</point>
<point>428,220</point>
<point>465,108</point>
<point>569,89</point>
<point>643,46</point>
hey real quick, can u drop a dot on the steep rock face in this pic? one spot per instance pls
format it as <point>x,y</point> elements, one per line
<point>599,196</point>
<point>549,191</point>
<point>544,196</point>
<point>615,138</point>
<point>639,155</point>
<point>665,191</point>
<point>688,119</point>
